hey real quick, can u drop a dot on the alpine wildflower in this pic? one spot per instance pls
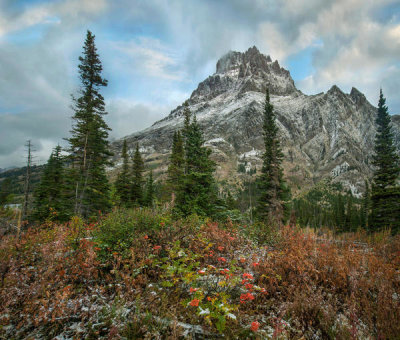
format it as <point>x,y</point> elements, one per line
<point>194,302</point>
<point>248,276</point>
<point>254,326</point>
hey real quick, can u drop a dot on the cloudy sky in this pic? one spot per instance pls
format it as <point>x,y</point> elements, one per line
<point>155,52</point>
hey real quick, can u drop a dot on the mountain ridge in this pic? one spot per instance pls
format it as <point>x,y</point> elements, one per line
<point>329,134</point>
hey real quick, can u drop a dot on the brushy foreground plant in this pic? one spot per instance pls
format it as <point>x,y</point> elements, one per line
<point>121,229</point>
<point>138,274</point>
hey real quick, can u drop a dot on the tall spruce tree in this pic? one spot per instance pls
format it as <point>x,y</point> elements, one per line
<point>348,225</point>
<point>339,212</point>
<point>88,145</point>
<point>149,194</point>
<point>49,196</point>
<point>187,116</point>
<point>137,178</point>
<point>176,168</point>
<point>199,192</point>
<point>385,193</point>
<point>365,204</point>
<point>270,207</point>
<point>123,183</point>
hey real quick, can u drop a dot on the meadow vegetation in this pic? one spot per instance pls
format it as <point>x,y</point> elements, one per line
<point>140,273</point>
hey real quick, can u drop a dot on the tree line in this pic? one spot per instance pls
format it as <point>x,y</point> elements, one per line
<point>74,180</point>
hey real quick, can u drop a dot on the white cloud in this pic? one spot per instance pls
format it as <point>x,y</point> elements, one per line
<point>67,11</point>
<point>26,19</point>
<point>149,57</point>
<point>127,116</point>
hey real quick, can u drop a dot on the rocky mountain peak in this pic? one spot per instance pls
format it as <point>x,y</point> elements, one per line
<point>335,90</point>
<point>327,135</point>
<point>358,97</point>
<point>234,60</point>
<point>242,72</point>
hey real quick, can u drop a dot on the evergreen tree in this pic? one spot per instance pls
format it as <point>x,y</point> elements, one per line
<point>385,193</point>
<point>89,147</point>
<point>149,196</point>
<point>137,177</point>
<point>49,199</point>
<point>349,214</point>
<point>199,192</point>
<point>123,183</point>
<point>176,168</point>
<point>364,211</point>
<point>186,131</point>
<point>230,202</point>
<point>270,206</point>
<point>186,120</point>
<point>339,212</point>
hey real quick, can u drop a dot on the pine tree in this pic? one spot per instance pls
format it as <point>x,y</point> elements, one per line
<point>230,201</point>
<point>137,178</point>
<point>49,199</point>
<point>270,208</point>
<point>89,147</point>
<point>149,196</point>
<point>364,211</point>
<point>339,212</point>
<point>199,192</point>
<point>187,115</point>
<point>385,193</point>
<point>123,183</point>
<point>176,168</point>
<point>349,214</point>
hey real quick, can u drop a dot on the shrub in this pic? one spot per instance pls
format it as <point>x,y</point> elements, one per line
<point>117,232</point>
<point>263,234</point>
<point>195,277</point>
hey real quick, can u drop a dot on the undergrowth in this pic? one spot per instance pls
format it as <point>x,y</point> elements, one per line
<point>140,274</point>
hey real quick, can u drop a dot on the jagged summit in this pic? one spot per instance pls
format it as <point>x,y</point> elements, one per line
<point>358,97</point>
<point>244,72</point>
<point>234,60</point>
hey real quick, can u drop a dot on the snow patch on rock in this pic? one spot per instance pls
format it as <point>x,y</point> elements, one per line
<point>215,141</point>
<point>253,153</point>
<point>340,169</point>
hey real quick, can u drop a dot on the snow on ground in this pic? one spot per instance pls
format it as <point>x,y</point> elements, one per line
<point>339,169</point>
<point>216,141</point>
<point>252,153</point>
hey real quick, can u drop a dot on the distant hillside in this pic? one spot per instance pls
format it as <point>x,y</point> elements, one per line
<point>17,176</point>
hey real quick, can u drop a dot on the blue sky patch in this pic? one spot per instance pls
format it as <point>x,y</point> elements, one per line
<point>300,64</point>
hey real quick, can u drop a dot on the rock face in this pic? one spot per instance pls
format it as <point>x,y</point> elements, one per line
<point>328,134</point>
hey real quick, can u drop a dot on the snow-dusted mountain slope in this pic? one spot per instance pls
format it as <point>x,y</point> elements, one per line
<point>328,134</point>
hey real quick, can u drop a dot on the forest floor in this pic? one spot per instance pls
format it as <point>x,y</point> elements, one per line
<point>133,275</point>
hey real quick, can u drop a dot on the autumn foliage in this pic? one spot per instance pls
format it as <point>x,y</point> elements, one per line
<point>180,278</point>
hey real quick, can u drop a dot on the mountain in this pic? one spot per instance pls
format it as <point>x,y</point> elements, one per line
<point>324,135</point>
<point>17,177</point>
<point>6,169</point>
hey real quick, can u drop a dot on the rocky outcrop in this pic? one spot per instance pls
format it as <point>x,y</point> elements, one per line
<point>328,134</point>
